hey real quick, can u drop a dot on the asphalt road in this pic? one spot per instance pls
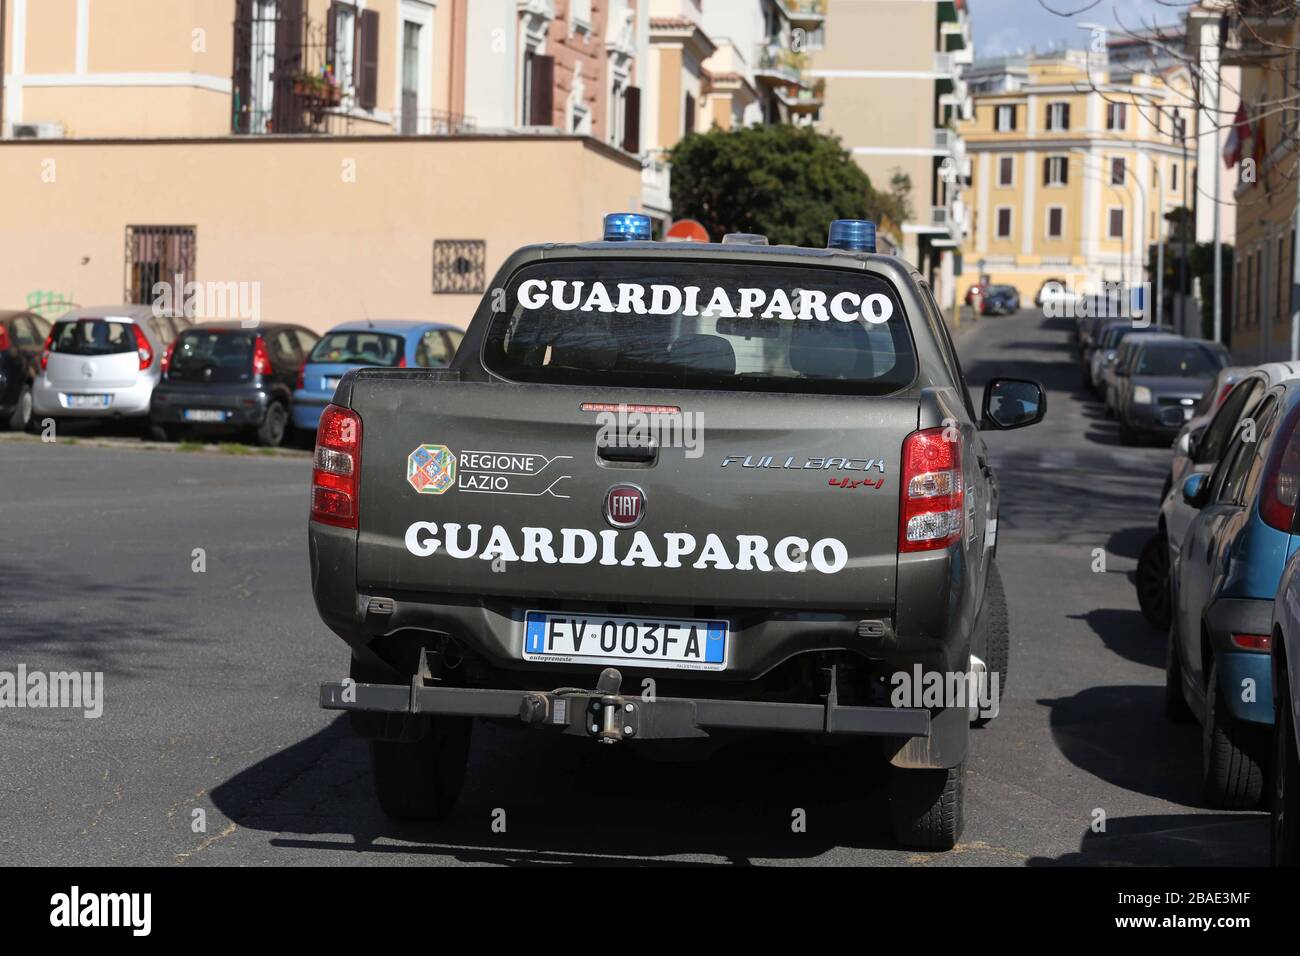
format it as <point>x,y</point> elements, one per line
<point>211,750</point>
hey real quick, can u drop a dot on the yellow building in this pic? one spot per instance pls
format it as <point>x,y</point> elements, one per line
<point>1265,183</point>
<point>1074,165</point>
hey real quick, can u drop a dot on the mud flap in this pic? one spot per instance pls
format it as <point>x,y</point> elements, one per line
<point>944,747</point>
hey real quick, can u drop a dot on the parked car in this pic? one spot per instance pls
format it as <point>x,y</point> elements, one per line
<point>1284,843</point>
<point>503,451</point>
<point>1226,575</point>
<point>1110,378</point>
<point>22,335</point>
<point>1199,447</point>
<point>1000,300</point>
<point>103,362</point>
<point>224,377</point>
<point>381,344</point>
<point>1055,293</point>
<point>976,289</point>
<point>1161,383</point>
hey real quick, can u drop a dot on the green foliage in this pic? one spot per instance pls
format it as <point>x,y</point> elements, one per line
<point>786,182</point>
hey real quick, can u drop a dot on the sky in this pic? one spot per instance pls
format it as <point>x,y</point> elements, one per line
<point>1004,27</point>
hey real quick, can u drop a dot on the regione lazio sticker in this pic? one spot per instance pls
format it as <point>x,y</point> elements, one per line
<point>431,469</point>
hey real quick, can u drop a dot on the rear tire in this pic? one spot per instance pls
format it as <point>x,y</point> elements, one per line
<point>1284,845</point>
<point>21,419</point>
<point>926,806</point>
<point>1153,581</point>
<point>422,780</point>
<point>270,434</point>
<point>1176,709</point>
<point>1232,754</point>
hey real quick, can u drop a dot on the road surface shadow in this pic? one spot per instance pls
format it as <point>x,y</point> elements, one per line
<point>1126,632</point>
<point>1209,839</point>
<point>568,800</point>
<point>1119,734</point>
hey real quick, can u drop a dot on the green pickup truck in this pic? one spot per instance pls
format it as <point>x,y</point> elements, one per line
<point>671,490</point>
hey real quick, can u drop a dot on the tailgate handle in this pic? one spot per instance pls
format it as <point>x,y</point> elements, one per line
<point>638,454</point>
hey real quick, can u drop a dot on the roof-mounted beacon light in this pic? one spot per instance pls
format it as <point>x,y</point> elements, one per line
<point>626,226</point>
<point>744,239</point>
<point>852,235</point>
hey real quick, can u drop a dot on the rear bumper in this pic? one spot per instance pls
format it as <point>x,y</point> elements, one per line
<point>605,714</point>
<point>130,401</point>
<point>242,407</point>
<point>1245,676</point>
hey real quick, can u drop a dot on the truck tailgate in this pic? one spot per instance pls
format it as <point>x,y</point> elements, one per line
<point>481,489</point>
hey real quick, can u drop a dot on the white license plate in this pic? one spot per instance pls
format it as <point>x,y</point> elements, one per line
<point>88,401</point>
<point>332,382</point>
<point>204,415</point>
<point>680,644</point>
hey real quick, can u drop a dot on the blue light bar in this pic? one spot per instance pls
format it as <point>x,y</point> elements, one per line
<point>853,235</point>
<point>626,226</point>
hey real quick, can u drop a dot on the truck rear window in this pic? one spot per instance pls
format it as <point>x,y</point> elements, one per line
<point>739,326</point>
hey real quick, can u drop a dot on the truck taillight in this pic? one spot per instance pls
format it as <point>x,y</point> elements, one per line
<point>142,347</point>
<point>930,512</point>
<point>336,470</point>
<point>45,352</point>
<point>1281,485</point>
<point>167,357</point>
<point>261,357</point>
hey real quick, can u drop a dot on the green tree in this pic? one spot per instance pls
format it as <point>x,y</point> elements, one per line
<point>786,182</point>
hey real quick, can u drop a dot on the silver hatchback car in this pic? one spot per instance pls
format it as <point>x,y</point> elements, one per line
<point>103,362</point>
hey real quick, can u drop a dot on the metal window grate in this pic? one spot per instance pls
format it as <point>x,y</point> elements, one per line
<point>459,265</point>
<point>157,254</point>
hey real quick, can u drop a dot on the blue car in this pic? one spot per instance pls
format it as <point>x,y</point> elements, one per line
<point>388,344</point>
<point>1223,581</point>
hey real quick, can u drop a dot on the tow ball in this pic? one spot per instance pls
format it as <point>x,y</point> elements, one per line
<point>609,717</point>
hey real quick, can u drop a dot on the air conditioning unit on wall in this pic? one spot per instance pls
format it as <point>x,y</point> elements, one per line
<point>36,130</point>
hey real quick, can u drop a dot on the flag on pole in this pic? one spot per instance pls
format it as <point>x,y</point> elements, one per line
<point>1237,135</point>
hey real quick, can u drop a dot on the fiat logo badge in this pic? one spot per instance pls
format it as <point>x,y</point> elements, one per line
<point>624,506</point>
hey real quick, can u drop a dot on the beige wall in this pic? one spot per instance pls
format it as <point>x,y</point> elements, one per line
<point>280,213</point>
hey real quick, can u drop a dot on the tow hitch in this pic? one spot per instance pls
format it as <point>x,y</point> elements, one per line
<point>609,716</point>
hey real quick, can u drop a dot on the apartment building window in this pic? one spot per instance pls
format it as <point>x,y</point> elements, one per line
<point>1006,170</point>
<point>538,88</point>
<point>1055,222</point>
<point>1115,222</point>
<point>580,15</point>
<point>1056,170</point>
<point>158,254</point>
<point>1173,177</point>
<point>690,114</point>
<point>1117,171</point>
<point>1004,118</point>
<point>343,26</point>
<point>1004,222</point>
<point>1058,117</point>
<point>1116,116</point>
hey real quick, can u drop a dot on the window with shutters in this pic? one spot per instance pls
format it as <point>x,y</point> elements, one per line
<point>1055,222</point>
<point>1004,222</point>
<point>538,91</point>
<point>343,26</point>
<point>1006,170</point>
<point>1056,170</point>
<point>1116,116</point>
<point>1005,118</point>
<point>1058,117</point>
<point>1115,223</point>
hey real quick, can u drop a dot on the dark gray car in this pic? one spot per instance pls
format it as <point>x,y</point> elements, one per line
<point>1159,384</point>
<point>500,540</point>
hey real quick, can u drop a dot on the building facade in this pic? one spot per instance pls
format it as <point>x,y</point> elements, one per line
<point>1264,178</point>
<point>1075,165</point>
<point>897,103</point>
<point>332,154</point>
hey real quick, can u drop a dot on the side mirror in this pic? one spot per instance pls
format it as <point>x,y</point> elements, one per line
<point>1196,489</point>
<point>1012,403</point>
